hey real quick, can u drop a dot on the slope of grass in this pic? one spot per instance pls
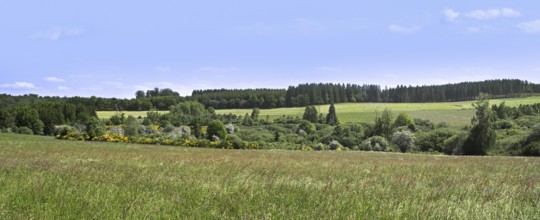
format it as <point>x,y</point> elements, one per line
<point>456,114</point>
<point>44,178</point>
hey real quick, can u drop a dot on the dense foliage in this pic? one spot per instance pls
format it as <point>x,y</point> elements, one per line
<point>495,130</point>
<point>326,93</point>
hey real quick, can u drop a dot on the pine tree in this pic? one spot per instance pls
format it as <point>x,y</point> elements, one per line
<point>331,118</point>
<point>482,136</point>
<point>310,114</point>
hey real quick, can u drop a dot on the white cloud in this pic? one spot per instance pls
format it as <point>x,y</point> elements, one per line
<point>19,85</point>
<point>530,27</point>
<point>391,75</point>
<point>508,12</point>
<point>63,88</point>
<point>451,15</point>
<point>480,29</point>
<point>54,79</point>
<point>493,13</point>
<point>162,68</point>
<point>402,29</point>
<point>328,68</point>
<point>57,33</point>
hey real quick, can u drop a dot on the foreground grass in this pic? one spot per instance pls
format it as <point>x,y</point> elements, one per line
<point>44,178</point>
<point>456,114</point>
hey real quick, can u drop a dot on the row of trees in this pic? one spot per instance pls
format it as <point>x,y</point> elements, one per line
<point>459,92</point>
<point>160,99</point>
<point>301,95</point>
<point>327,93</point>
<point>41,117</point>
<point>240,98</point>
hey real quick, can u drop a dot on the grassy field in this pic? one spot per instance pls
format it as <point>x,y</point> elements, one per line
<point>456,114</point>
<point>44,178</point>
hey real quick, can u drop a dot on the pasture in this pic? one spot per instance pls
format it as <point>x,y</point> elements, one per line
<point>45,178</point>
<point>455,114</point>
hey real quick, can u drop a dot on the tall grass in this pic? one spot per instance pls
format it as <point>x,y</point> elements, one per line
<point>44,178</point>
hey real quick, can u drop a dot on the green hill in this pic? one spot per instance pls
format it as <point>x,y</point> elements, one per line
<point>454,113</point>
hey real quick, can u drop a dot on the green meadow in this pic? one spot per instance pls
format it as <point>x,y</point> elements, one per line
<point>45,178</point>
<point>456,114</point>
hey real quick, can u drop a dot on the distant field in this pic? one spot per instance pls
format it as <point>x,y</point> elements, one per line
<point>44,178</point>
<point>454,113</point>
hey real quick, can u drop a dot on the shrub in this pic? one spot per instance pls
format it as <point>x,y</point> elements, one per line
<point>504,124</point>
<point>306,126</point>
<point>117,130</point>
<point>433,140</point>
<point>320,146</point>
<point>25,130</point>
<point>365,146</point>
<point>302,132</point>
<point>230,128</point>
<point>132,127</point>
<point>168,128</point>
<point>404,140</point>
<point>378,143</point>
<point>215,138</point>
<point>423,124</point>
<point>403,119</point>
<point>236,141</point>
<point>454,144</point>
<point>216,128</point>
<point>335,145</point>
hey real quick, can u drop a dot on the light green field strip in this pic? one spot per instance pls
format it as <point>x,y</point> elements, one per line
<point>454,113</point>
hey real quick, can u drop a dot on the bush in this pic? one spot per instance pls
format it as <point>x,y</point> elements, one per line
<point>235,141</point>
<point>216,128</point>
<point>454,144</point>
<point>365,146</point>
<point>424,124</point>
<point>404,140</point>
<point>320,146</point>
<point>378,143</point>
<point>433,140</point>
<point>306,126</point>
<point>334,145</point>
<point>230,128</point>
<point>25,130</point>
<point>504,124</point>
<point>168,128</point>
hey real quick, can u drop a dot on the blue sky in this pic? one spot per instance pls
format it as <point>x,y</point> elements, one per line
<point>114,48</point>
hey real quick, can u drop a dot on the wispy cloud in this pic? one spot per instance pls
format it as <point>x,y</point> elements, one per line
<point>19,85</point>
<point>403,29</point>
<point>493,13</point>
<point>451,15</point>
<point>63,88</point>
<point>162,68</point>
<point>57,33</point>
<point>391,75</point>
<point>480,29</point>
<point>53,79</point>
<point>530,26</point>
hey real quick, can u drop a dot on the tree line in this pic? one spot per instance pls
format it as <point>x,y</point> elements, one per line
<point>294,96</point>
<point>327,93</point>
